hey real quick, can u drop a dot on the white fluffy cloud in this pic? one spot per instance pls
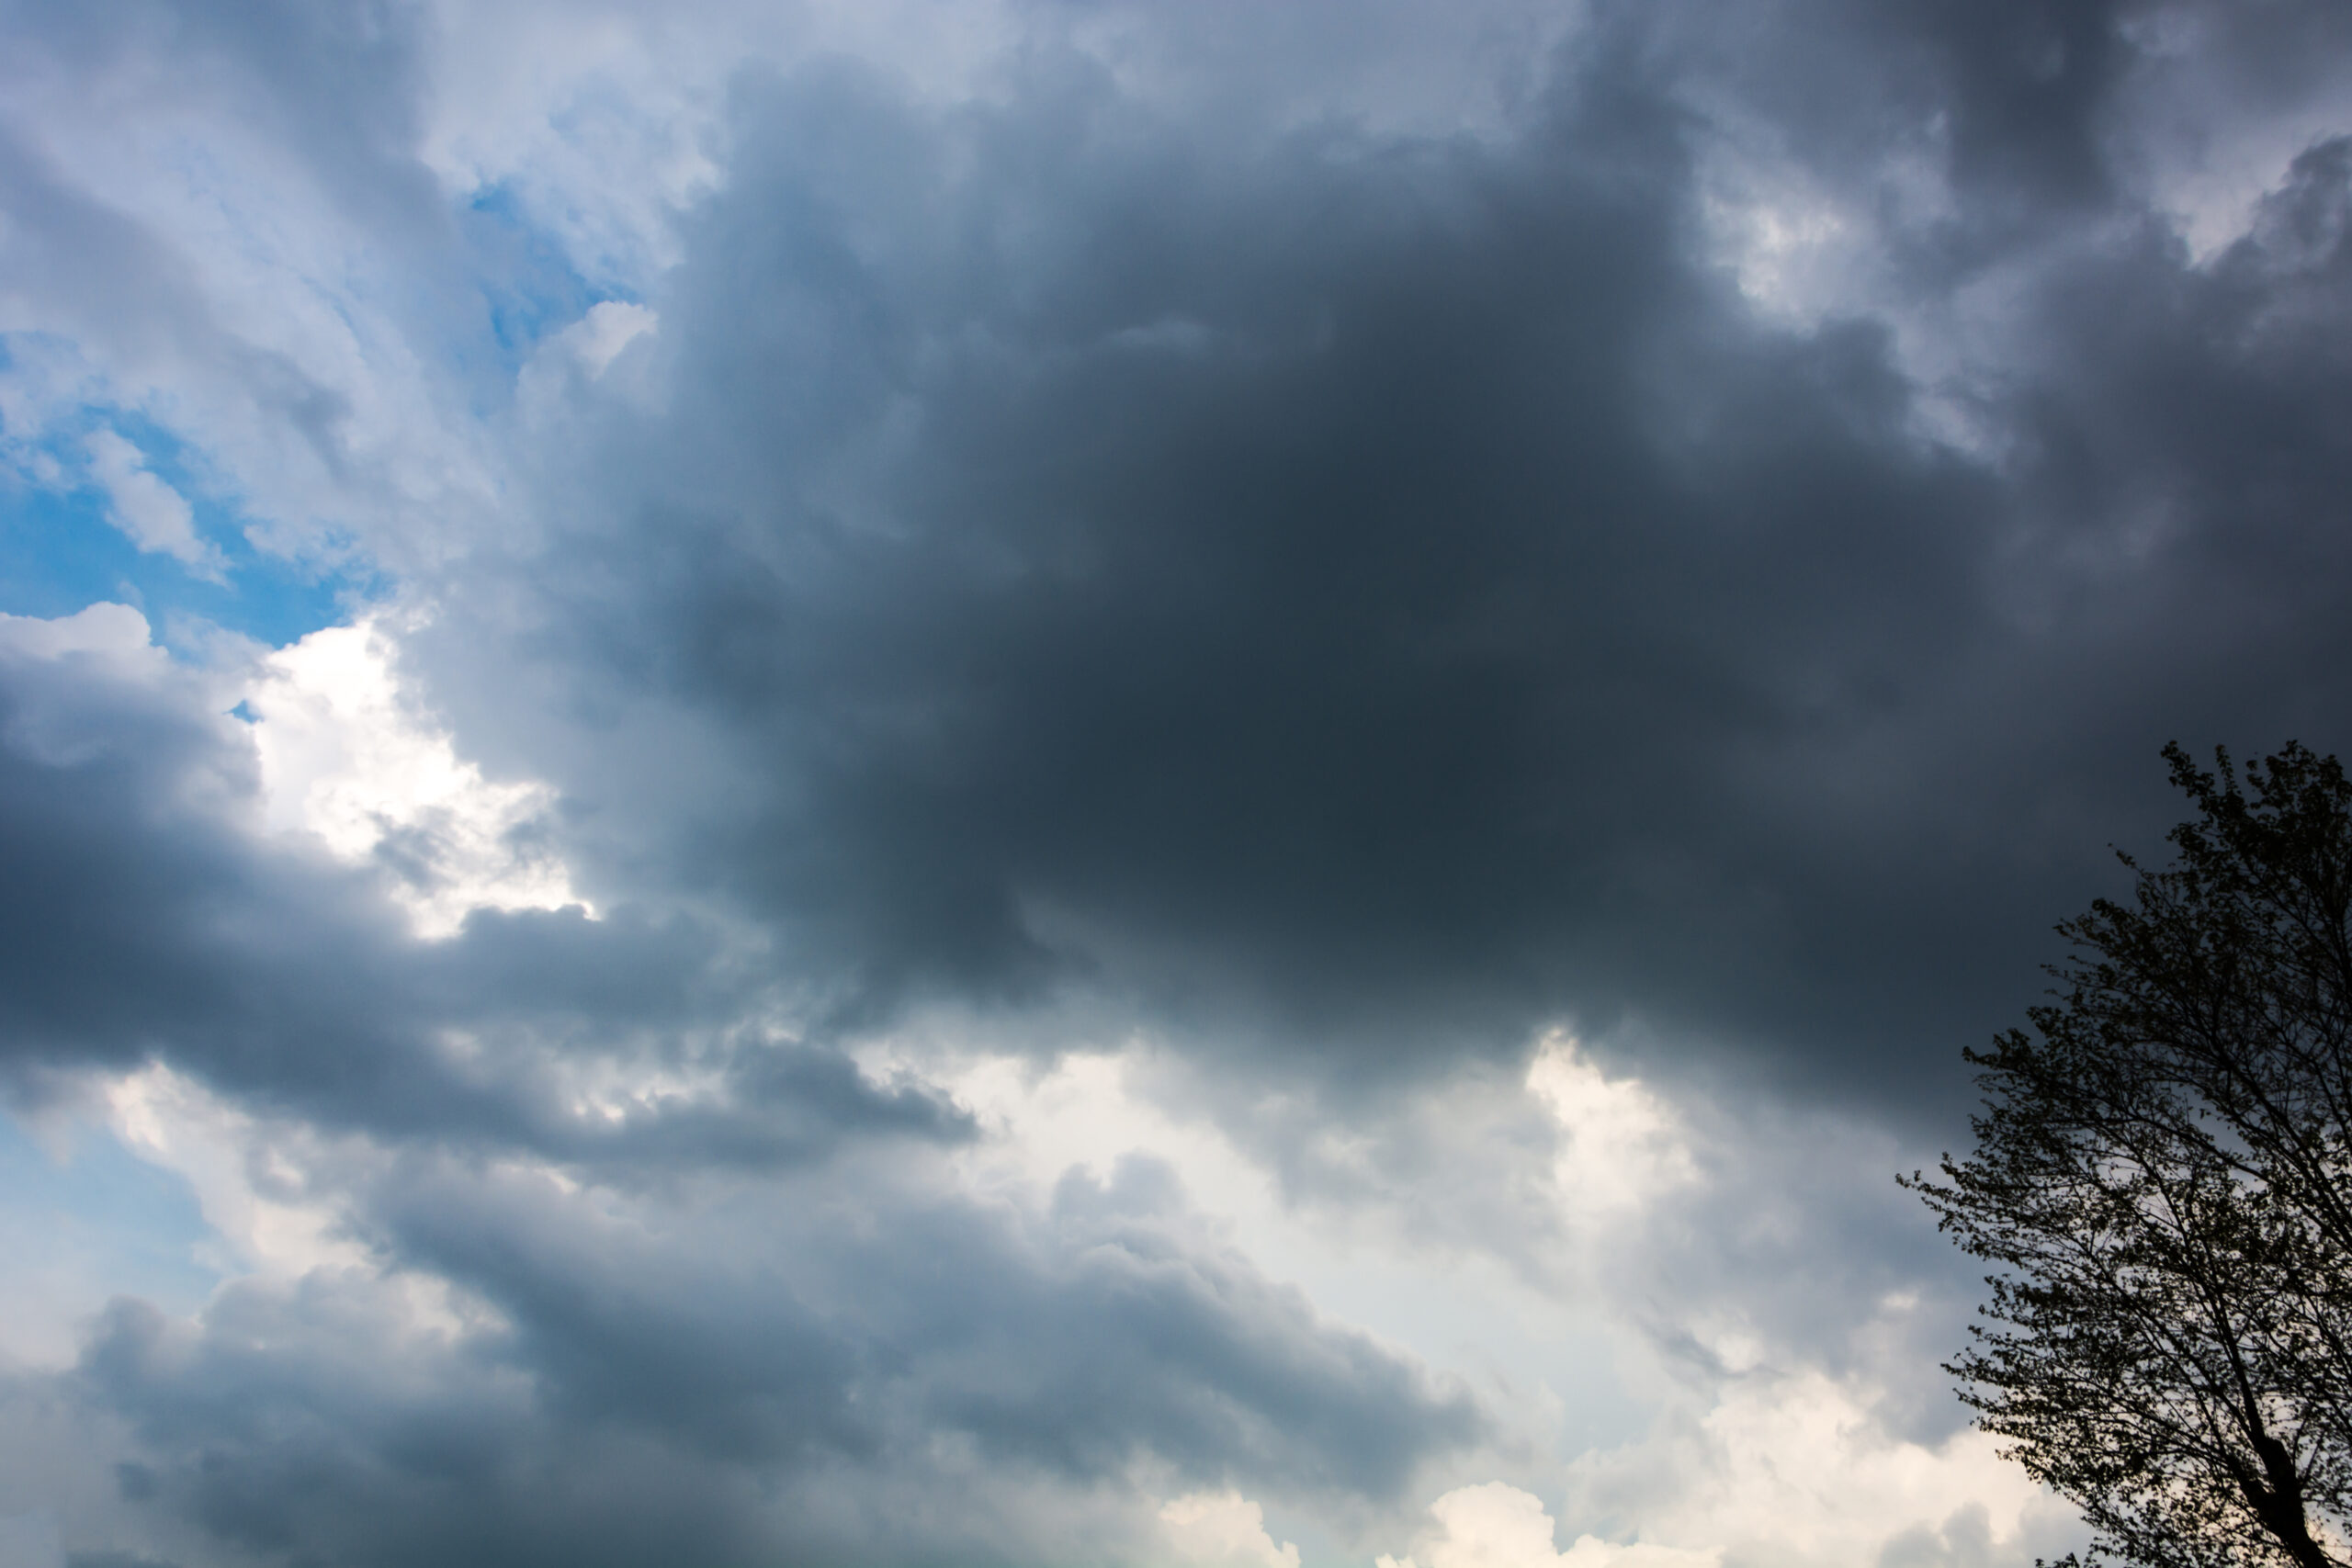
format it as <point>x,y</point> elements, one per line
<point>116,635</point>
<point>1793,1468</point>
<point>351,756</point>
<point>1621,1147</point>
<point>1497,1526</point>
<point>1223,1530</point>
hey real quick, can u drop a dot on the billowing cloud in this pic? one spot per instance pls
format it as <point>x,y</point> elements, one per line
<point>1199,784</point>
<point>801,1387</point>
<point>1496,1526</point>
<point>156,916</point>
<point>429,1207</point>
<point>343,757</point>
<point>1355,589</point>
<point>1224,1528</point>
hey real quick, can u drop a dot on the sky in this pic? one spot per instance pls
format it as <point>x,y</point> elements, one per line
<point>1057,783</point>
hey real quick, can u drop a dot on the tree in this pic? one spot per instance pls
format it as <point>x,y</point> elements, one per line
<point>2163,1174</point>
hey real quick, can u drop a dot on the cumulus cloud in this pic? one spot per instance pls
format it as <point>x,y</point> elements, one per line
<point>345,755</point>
<point>1220,1528</point>
<point>1125,782</point>
<point>1350,591</point>
<point>1801,1468</point>
<point>158,920</point>
<point>113,635</point>
<point>508,1218</point>
<point>780,1392</point>
<point>1496,1526</point>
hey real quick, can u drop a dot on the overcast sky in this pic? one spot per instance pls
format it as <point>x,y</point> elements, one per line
<point>1026,783</point>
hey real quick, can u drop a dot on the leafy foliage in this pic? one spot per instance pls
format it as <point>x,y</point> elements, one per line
<point>2163,1174</point>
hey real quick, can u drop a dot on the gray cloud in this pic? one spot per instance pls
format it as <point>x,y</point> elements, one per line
<point>1361,589</point>
<point>335,85</point>
<point>74,262</point>
<point>639,1385</point>
<point>144,921</point>
<point>672,1362</point>
<point>1323,593</point>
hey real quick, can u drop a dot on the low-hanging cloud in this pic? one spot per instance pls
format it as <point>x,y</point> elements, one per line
<point>1355,589</point>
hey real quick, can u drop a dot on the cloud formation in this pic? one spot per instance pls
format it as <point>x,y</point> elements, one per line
<point>1352,589</point>
<point>1104,782</point>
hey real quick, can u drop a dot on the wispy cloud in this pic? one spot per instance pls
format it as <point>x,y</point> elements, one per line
<point>156,516</point>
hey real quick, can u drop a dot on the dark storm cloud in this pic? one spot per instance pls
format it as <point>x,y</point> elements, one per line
<point>142,922</point>
<point>1392,589</point>
<point>623,1377</point>
<point>644,1385</point>
<point>1330,595</point>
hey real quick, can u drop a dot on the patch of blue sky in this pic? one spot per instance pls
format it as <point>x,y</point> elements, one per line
<point>84,1218</point>
<point>530,285</point>
<point>60,549</point>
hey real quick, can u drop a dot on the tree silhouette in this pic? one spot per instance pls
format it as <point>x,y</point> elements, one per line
<point>2163,1174</point>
